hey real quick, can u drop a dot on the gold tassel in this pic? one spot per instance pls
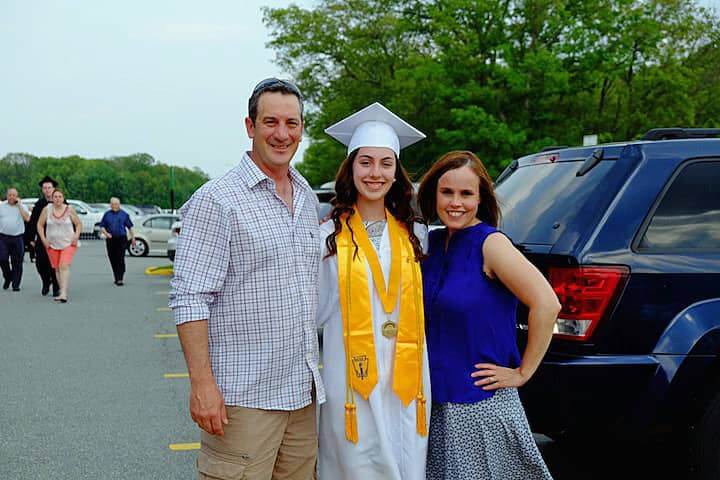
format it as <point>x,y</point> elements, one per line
<point>351,430</point>
<point>420,415</point>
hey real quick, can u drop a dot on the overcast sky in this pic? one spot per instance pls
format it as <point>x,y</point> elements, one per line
<point>98,78</point>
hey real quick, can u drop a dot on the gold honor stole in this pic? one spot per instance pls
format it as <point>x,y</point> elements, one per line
<point>355,302</point>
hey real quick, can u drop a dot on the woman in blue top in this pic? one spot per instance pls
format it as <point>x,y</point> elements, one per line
<point>473,278</point>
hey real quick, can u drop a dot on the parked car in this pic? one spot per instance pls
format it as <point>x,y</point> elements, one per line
<point>152,234</point>
<point>172,241</point>
<point>132,210</point>
<point>628,235</point>
<point>149,209</point>
<point>29,203</point>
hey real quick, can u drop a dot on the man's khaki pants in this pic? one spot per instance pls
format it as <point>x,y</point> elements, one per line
<point>261,445</point>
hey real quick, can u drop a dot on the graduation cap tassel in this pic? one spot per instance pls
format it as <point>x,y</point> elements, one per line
<point>351,430</point>
<point>420,415</point>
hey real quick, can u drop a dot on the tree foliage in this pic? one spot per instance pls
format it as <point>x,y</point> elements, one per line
<point>500,77</point>
<point>133,178</point>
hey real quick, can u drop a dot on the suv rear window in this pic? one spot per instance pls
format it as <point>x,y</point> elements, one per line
<point>688,216</point>
<point>539,201</point>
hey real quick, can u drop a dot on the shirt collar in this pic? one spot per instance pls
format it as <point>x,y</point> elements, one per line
<point>252,175</point>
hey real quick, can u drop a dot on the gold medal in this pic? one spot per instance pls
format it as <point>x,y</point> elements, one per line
<point>389,329</point>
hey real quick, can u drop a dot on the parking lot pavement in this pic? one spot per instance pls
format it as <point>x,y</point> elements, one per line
<point>97,388</point>
<point>83,393</point>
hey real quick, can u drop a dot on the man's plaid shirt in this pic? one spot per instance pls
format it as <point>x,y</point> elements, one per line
<point>250,268</point>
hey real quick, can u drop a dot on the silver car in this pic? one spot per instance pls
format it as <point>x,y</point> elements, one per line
<point>152,234</point>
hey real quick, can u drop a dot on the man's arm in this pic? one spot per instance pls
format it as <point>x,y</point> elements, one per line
<point>200,268</point>
<point>104,226</point>
<point>207,407</point>
<point>23,212</point>
<point>129,226</point>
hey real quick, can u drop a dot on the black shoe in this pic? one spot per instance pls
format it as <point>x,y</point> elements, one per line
<point>56,293</point>
<point>45,290</point>
<point>6,285</point>
<point>16,289</point>
<point>119,283</point>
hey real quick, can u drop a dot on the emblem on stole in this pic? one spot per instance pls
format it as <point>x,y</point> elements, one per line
<point>360,365</point>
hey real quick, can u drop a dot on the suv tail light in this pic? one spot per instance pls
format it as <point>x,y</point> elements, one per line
<point>585,294</point>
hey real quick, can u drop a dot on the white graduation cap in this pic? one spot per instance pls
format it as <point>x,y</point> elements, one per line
<point>375,126</point>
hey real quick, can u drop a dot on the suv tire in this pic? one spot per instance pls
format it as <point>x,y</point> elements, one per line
<point>707,442</point>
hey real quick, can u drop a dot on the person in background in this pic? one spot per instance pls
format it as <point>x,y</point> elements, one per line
<point>42,262</point>
<point>244,296</point>
<point>115,226</point>
<point>473,278</point>
<point>13,216</point>
<point>375,366</point>
<point>59,230</point>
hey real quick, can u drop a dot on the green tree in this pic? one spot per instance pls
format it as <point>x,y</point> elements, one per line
<point>136,178</point>
<point>499,77</point>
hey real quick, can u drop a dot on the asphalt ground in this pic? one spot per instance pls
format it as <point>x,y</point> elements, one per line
<point>82,387</point>
<point>84,393</point>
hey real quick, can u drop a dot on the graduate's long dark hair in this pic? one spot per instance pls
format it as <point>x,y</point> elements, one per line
<point>397,201</point>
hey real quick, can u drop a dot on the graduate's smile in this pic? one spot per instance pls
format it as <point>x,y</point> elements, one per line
<point>374,172</point>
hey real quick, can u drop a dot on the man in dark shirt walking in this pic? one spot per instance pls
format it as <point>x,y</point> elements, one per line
<point>115,226</point>
<point>42,262</point>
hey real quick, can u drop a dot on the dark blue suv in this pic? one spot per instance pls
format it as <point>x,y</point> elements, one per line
<point>629,237</point>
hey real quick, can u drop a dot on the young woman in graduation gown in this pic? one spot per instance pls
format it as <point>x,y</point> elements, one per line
<point>373,425</point>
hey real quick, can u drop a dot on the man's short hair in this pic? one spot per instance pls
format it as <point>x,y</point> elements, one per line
<point>112,199</point>
<point>272,85</point>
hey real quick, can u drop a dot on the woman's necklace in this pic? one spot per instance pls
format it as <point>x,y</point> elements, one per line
<point>62,214</point>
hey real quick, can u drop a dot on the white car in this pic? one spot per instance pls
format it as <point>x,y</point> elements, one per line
<point>88,215</point>
<point>152,234</point>
<point>172,241</point>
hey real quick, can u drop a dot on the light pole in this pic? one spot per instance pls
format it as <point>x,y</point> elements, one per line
<point>172,188</point>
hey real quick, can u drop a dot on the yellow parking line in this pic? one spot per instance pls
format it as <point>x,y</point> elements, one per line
<point>184,446</point>
<point>165,335</point>
<point>166,270</point>
<point>176,375</point>
<point>163,309</point>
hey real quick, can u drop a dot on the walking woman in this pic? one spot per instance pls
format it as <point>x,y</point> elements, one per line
<point>59,229</point>
<point>374,422</point>
<point>473,278</point>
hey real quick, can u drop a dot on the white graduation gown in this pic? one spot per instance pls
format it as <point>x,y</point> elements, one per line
<point>389,447</point>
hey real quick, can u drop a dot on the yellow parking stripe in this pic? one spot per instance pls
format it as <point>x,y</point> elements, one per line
<point>176,375</point>
<point>163,309</point>
<point>166,270</point>
<point>165,335</point>
<point>184,446</point>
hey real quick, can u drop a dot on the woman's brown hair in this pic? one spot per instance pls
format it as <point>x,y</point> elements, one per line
<point>488,210</point>
<point>397,201</point>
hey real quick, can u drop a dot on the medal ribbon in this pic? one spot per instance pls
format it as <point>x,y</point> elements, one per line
<point>356,308</point>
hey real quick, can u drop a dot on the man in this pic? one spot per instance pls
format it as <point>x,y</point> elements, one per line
<point>245,298</point>
<point>114,226</point>
<point>42,262</point>
<point>13,216</point>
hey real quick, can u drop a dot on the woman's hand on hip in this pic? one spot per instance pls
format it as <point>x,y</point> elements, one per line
<point>492,377</point>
